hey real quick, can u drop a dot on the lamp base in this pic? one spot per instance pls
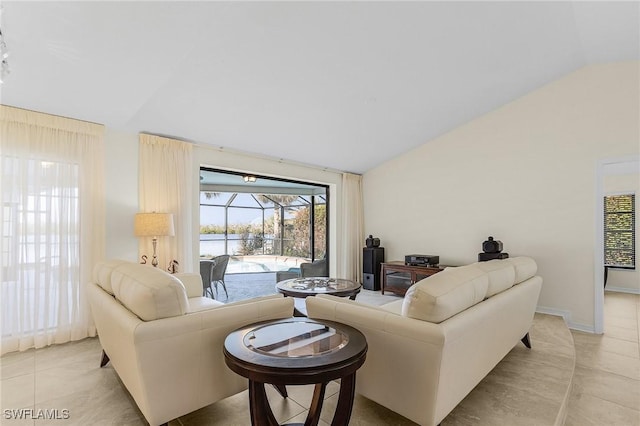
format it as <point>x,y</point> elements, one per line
<point>154,261</point>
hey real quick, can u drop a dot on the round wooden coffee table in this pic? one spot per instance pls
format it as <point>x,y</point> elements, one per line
<point>297,351</point>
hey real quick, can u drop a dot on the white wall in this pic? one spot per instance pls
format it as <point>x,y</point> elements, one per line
<point>121,193</point>
<point>525,174</point>
<point>625,280</point>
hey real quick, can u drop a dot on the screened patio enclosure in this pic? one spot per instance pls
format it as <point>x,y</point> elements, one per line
<point>264,224</point>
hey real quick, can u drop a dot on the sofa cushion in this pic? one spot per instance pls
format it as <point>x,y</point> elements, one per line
<point>446,293</point>
<point>501,275</point>
<point>148,292</point>
<point>102,273</point>
<point>525,268</point>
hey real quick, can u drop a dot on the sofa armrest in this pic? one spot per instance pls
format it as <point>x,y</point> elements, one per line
<point>256,299</point>
<point>222,319</point>
<point>192,283</point>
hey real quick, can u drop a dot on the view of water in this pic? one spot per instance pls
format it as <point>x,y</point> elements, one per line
<point>214,245</point>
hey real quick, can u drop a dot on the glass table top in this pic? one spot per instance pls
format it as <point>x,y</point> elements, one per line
<point>315,285</point>
<point>295,339</point>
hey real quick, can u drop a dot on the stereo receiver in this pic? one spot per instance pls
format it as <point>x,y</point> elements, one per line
<point>421,260</point>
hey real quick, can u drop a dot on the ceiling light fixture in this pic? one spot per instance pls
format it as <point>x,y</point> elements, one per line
<point>249,178</point>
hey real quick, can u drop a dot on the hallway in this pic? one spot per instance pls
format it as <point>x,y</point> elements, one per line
<point>606,382</point>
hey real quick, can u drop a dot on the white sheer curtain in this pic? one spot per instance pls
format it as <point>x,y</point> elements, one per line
<point>352,232</point>
<point>166,186</point>
<point>52,226</point>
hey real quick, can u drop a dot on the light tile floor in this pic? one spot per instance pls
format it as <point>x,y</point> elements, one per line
<point>526,388</point>
<point>606,384</point>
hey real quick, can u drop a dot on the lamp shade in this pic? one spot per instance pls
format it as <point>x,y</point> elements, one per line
<point>153,225</point>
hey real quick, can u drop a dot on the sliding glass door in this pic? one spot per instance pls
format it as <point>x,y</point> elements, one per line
<point>265,224</point>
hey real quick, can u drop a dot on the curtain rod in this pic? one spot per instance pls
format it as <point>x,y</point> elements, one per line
<point>270,158</point>
<point>250,154</point>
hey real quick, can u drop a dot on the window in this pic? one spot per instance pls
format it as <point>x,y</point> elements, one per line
<point>51,190</point>
<point>620,231</point>
<point>40,244</point>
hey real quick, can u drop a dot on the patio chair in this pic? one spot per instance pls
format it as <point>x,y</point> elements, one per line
<point>315,269</point>
<point>306,270</point>
<point>287,275</point>
<point>212,272</point>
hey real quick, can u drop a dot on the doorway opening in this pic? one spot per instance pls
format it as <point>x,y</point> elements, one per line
<point>614,177</point>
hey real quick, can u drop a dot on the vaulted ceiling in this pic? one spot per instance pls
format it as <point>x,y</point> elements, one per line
<point>343,85</point>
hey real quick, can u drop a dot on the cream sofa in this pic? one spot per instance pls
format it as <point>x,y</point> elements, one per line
<point>430,349</point>
<point>165,340</point>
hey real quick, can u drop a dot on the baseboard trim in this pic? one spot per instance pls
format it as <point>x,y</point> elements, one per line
<point>553,311</point>
<point>623,290</point>
<point>566,315</point>
<point>581,327</point>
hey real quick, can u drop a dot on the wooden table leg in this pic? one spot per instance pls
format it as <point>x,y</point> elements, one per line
<point>345,400</point>
<point>261,414</point>
<point>282,390</point>
<point>313,418</point>
<point>105,359</point>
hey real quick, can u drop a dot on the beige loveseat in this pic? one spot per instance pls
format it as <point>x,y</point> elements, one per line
<point>165,340</point>
<point>430,349</point>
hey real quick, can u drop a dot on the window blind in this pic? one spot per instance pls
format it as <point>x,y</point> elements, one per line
<point>620,231</point>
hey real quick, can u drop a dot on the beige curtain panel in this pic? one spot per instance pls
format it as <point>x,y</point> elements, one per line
<point>52,189</point>
<point>352,233</point>
<point>166,186</point>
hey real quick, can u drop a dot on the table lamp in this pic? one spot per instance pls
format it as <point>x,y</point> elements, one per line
<point>154,225</point>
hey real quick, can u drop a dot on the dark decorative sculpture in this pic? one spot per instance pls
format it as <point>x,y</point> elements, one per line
<point>372,242</point>
<point>144,259</point>
<point>492,246</point>
<point>492,250</point>
<point>173,266</point>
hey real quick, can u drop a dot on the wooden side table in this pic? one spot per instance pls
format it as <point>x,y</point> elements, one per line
<point>297,351</point>
<point>398,277</point>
